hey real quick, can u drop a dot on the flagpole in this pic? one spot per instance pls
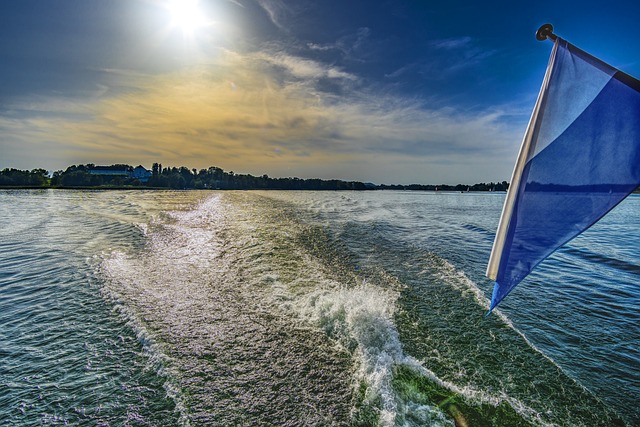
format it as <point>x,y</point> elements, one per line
<point>523,155</point>
<point>546,32</point>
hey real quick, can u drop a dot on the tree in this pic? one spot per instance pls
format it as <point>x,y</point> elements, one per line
<point>39,177</point>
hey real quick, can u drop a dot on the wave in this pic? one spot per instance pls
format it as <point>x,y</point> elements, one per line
<point>360,319</point>
<point>487,233</point>
<point>114,269</point>
<point>67,358</point>
<point>599,258</point>
<point>249,300</point>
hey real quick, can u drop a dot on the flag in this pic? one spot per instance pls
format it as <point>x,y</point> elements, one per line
<point>579,158</point>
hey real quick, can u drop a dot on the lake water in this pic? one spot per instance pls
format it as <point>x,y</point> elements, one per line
<point>306,308</point>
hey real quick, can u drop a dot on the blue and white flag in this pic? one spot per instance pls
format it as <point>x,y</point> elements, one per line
<point>580,157</point>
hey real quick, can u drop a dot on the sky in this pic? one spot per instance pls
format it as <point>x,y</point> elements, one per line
<point>393,92</point>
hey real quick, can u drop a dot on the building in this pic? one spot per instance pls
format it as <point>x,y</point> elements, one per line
<point>140,172</point>
<point>116,170</point>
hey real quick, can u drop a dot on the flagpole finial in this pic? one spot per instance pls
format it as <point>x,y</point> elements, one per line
<point>546,32</point>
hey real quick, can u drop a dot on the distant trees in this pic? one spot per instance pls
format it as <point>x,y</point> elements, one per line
<point>216,178</point>
<point>90,175</point>
<point>24,178</point>
<point>491,186</point>
<point>120,175</point>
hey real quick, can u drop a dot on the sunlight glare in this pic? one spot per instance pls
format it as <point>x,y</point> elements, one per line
<point>186,15</point>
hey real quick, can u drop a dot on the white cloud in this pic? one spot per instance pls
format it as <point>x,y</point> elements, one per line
<point>277,11</point>
<point>321,47</point>
<point>305,68</point>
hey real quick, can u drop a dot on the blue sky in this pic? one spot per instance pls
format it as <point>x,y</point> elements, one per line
<point>381,91</point>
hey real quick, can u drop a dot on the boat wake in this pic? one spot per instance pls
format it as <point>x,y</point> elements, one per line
<point>259,313</point>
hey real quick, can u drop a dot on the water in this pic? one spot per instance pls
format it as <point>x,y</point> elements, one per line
<point>306,308</point>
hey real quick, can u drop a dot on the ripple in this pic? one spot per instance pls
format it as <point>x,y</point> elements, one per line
<point>263,308</point>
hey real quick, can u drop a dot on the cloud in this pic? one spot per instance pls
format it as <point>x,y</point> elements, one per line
<point>305,68</point>
<point>449,57</point>
<point>357,46</point>
<point>277,11</point>
<point>321,47</point>
<point>402,71</point>
<point>263,112</point>
<point>452,43</point>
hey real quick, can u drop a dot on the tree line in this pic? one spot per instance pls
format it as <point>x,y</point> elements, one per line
<point>24,178</point>
<point>81,176</point>
<point>217,178</point>
<point>484,186</point>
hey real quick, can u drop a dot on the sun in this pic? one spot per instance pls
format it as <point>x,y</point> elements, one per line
<point>186,15</point>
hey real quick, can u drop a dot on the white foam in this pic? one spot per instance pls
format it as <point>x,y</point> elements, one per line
<point>456,278</point>
<point>416,414</point>
<point>178,241</point>
<point>360,319</point>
